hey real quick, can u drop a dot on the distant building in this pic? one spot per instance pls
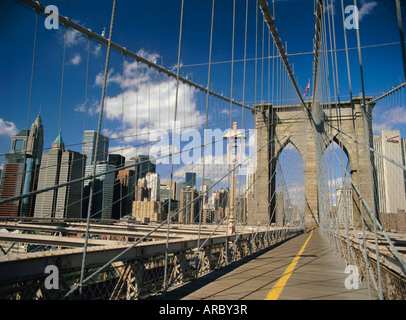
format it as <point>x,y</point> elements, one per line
<point>89,146</point>
<point>206,189</point>
<point>20,170</point>
<point>124,189</point>
<point>147,211</point>
<point>103,192</point>
<point>142,165</point>
<point>59,166</point>
<point>166,190</point>
<point>141,190</point>
<point>221,203</point>
<point>344,206</point>
<point>250,176</point>
<point>250,207</point>
<point>35,142</point>
<point>153,185</point>
<point>147,206</point>
<point>191,179</point>
<point>241,209</point>
<point>390,178</point>
<point>116,160</point>
<point>180,185</point>
<point>190,206</point>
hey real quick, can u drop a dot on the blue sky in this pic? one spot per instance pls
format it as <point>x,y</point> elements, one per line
<point>153,31</point>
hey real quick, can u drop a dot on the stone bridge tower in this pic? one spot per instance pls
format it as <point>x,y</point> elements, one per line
<point>277,126</point>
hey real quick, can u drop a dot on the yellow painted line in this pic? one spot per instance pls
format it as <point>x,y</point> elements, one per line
<point>278,287</point>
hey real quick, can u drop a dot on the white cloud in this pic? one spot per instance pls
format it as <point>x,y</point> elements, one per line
<point>8,128</point>
<point>93,107</point>
<point>97,50</point>
<point>390,119</point>
<point>149,101</point>
<point>75,60</point>
<point>366,8</point>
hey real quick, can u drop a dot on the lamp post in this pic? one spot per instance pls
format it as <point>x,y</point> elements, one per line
<point>234,153</point>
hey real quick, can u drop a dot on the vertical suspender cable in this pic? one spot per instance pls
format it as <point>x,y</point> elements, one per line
<point>84,116</point>
<point>207,112</point>
<point>338,113</point>
<point>172,147</point>
<point>262,61</point>
<point>402,36</point>
<point>120,182</point>
<point>232,82</point>
<point>32,68</point>
<point>106,68</point>
<point>245,61</point>
<point>365,108</point>
<point>356,144</point>
<point>63,71</point>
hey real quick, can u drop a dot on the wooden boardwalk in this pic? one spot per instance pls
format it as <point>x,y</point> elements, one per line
<point>316,273</point>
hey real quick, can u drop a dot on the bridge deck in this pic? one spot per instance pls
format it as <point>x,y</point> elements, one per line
<point>318,275</point>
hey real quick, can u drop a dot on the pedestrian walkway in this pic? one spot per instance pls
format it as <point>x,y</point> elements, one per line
<point>303,268</point>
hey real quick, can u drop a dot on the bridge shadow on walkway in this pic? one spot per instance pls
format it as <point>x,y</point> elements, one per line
<point>318,275</point>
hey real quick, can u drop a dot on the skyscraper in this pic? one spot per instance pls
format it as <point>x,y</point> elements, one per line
<point>180,185</point>
<point>89,146</point>
<point>12,185</point>
<point>190,206</point>
<point>124,189</point>
<point>35,142</point>
<point>142,165</point>
<point>191,179</point>
<point>21,167</point>
<point>59,166</point>
<point>344,206</point>
<point>153,185</point>
<point>103,191</point>
<point>206,188</point>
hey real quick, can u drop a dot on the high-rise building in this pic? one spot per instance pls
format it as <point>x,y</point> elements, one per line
<point>35,142</point>
<point>13,181</point>
<point>166,189</point>
<point>89,146</point>
<point>19,142</point>
<point>190,206</point>
<point>191,179</point>
<point>180,185</point>
<point>141,191</point>
<point>250,176</point>
<point>147,206</point>
<point>123,193</point>
<point>391,190</point>
<point>206,189</point>
<point>116,160</point>
<point>142,165</point>
<point>153,185</point>
<point>60,166</point>
<point>103,192</point>
<point>344,206</point>
<point>21,167</point>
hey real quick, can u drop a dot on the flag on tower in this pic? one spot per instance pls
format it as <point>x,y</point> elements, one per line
<point>308,87</point>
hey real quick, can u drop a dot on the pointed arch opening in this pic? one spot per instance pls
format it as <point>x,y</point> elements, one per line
<point>289,195</point>
<point>336,199</point>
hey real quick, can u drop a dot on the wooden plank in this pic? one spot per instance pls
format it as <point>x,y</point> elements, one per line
<point>318,275</point>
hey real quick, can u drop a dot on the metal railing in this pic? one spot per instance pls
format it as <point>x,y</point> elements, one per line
<point>138,274</point>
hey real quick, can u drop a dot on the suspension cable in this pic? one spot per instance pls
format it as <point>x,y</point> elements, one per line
<point>173,143</point>
<point>97,145</point>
